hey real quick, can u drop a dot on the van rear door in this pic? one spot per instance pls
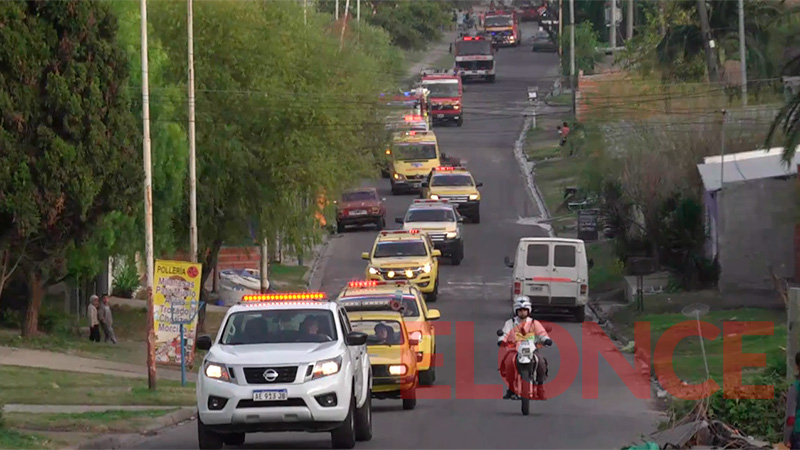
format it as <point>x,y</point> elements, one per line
<point>565,279</point>
<point>551,274</point>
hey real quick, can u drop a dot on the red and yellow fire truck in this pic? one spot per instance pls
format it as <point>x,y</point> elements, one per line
<point>446,93</point>
<point>503,27</point>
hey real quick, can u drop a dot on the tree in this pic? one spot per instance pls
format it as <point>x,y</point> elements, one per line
<point>586,54</point>
<point>68,135</point>
<point>283,116</point>
<point>787,122</point>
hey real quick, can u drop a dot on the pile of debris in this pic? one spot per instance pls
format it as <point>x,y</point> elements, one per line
<point>697,431</point>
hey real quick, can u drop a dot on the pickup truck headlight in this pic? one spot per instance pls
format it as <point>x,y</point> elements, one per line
<point>327,367</point>
<point>217,372</point>
<point>373,270</point>
<point>426,268</point>
<point>398,369</point>
<point>452,235</point>
<point>473,196</point>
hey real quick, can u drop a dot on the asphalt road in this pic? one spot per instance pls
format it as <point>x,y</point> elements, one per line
<point>477,295</point>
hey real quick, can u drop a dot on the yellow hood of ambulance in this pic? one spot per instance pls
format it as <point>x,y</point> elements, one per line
<point>407,262</point>
<point>415,167</point>
<point>454,190</point>
<point>385,354</point>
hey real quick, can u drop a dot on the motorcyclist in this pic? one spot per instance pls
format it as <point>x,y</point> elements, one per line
<point>524,324</point>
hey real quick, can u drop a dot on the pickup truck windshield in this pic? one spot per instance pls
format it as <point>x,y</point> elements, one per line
<point>279,326</point>
<point>414,152</point>
<point>430,215</point>
<point>400,249</point>
<point>380,332</point>
<point>452,180</point>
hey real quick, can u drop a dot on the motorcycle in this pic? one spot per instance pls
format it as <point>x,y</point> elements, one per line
<point>527,361</point>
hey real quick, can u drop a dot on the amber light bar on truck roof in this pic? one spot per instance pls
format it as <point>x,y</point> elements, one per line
<point>449,168</point>
<point>284,297</point>
<point>366,284</point>
<point>413,118</point>
<point>386,233</point>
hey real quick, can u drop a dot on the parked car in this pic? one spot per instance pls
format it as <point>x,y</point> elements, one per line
<point>360,207</point>
<point>542,42</point>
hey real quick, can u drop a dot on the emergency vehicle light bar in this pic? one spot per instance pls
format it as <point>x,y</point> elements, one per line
<point>432,201</point>
<point>448,168</point>
<point>373,305</point>
<point>364,284</point>
<point>284,296</point>
<point>413,118</point>
<point>386,233</point>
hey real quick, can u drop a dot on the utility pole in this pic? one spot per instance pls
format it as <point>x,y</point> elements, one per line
<point>630,19</point>
<point>612,29</point>
<point>305,12</point>
<point>792,331</point>
<point>721,179</point>
<point>708,41</point>
<point>358,11</point>
<point>560,28</point>
<point>192,148</point>
<point>742,52</point>
<point>344,24</point>
<point>264,265</point>
<point>336,15</point>
<point>572,83</point>
<point>148,206</point>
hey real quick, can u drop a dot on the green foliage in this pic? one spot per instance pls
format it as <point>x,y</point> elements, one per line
<point>586,55</point>
<point>126,280</point>
<point>284,113</point>
<point>70,156</point>
<point>413,25</point>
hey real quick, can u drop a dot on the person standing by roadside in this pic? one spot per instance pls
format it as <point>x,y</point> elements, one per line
<point>94,323</point>
<point>107,320</point>
<point>791,428</point>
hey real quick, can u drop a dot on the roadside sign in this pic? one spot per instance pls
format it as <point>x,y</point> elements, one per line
<point>587,224</point>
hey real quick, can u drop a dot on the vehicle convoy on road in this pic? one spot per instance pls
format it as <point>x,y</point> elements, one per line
<point>503,27</point>
<point>441,221</point>
<point>414,102</point>
<point>418,318</point>
<point>446,94</point>
<point>405,255</point>
<point>475,58</point>
<point>456,185</point>
<point>414,154</point>
<point>554,273</point>
<point>394,363</point>
<point>284,362</point>
<point>360,207</point>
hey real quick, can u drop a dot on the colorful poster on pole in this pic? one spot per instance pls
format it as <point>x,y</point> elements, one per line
<point>176,297</point>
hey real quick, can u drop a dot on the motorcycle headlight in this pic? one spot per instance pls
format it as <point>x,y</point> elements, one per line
<point>473,196</point>
<point>434,197</point>
<point>451,235</point>
<point>373,271</point>
<point>426,268</point>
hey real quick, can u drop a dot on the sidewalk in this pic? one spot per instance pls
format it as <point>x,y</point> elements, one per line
<point>78,409</point>
<point>59,361</point>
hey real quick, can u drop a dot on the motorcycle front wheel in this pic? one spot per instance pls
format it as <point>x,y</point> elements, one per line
<point>526,387</point>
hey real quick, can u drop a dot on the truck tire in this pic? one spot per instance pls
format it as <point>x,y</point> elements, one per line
<point>234,439</point>
<point>433,295</point>
<point>364,419</point>
<point>410,402</point>
<point>207,439</point>
<point>460,121</point>
<point>345,435</point>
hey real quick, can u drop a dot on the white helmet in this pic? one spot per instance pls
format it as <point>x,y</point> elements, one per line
<point>522,302</point>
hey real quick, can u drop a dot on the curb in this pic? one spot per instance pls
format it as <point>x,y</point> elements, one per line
<point>114,441</point>
<point>533,190</point>
<point>317,270</point>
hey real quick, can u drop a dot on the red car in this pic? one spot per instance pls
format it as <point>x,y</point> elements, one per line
<point>360,207</point>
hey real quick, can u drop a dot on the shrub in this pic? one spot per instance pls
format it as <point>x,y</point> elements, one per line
<point>126,280</point>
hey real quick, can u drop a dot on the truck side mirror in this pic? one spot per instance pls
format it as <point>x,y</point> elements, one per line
<point>399,220</point>
<point>508,262</point>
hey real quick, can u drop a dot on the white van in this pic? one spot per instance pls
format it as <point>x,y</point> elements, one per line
<point>554,273</point>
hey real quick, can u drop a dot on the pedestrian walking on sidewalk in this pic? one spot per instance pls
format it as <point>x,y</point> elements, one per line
<point>106,320</point>
<point>94,323</point>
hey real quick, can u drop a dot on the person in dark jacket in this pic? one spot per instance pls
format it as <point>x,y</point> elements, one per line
<point>791,428</point>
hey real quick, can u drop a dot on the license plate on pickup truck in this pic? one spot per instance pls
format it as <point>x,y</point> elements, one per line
<point>273,395</point>
<point>440,116</point>
<point>358,212</point>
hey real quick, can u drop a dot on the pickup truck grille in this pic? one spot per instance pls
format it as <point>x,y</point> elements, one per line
<point>380,370</point>
<point>437,237</point>
<point>255,375</point>
<point>455,198</point>
<point>443,107</point>
<point>399,274</point>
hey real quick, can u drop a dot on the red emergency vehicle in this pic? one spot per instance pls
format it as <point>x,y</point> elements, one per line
<point>503,27</point>
<point>475,58</point>
<point>446,93</point>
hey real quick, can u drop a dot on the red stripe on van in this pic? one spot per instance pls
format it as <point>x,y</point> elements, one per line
<point>555,280</point>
